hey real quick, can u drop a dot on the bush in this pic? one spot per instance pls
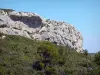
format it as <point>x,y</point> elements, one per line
<point>7,10</point>
<point>98,70</point>
<point>84,63</point>
<point>50,71</point>
<point>97,58</point>
<point>85,52</point>
<point>49,56</point>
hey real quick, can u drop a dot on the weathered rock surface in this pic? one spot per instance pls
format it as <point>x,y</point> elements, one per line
<point>33,26</point>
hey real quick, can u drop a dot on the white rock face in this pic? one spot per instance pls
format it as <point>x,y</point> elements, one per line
<point>33,26</point>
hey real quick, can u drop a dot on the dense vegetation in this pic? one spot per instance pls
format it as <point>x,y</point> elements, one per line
<point>97,61</point>
<point>23,56</point>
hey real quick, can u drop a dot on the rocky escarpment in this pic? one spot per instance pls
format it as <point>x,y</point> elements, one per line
<point>33,26</point>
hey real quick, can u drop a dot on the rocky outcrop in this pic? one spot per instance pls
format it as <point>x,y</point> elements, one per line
<point>33,26</point>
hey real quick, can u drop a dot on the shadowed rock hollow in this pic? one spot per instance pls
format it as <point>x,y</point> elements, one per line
<point>33,26</point>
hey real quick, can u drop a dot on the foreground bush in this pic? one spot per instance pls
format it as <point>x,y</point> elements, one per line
<point>97,58</point>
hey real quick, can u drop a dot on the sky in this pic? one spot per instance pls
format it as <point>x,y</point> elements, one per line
<point>83,14</point>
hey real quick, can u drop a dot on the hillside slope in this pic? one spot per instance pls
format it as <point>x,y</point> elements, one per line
<point>19,56</point>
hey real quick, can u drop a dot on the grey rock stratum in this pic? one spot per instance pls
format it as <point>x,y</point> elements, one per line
<point>33,26</point>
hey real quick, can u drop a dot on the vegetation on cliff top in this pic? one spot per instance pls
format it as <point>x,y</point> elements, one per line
<point>7,10</point>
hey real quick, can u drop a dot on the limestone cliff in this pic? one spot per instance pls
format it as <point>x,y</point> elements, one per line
<point>33,26</point>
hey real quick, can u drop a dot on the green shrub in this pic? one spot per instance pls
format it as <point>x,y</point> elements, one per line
<point>97,58</point>
<point>85,52</point>
<point>98,70</point>
<point>50,71</point>
<point>7,10</point>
